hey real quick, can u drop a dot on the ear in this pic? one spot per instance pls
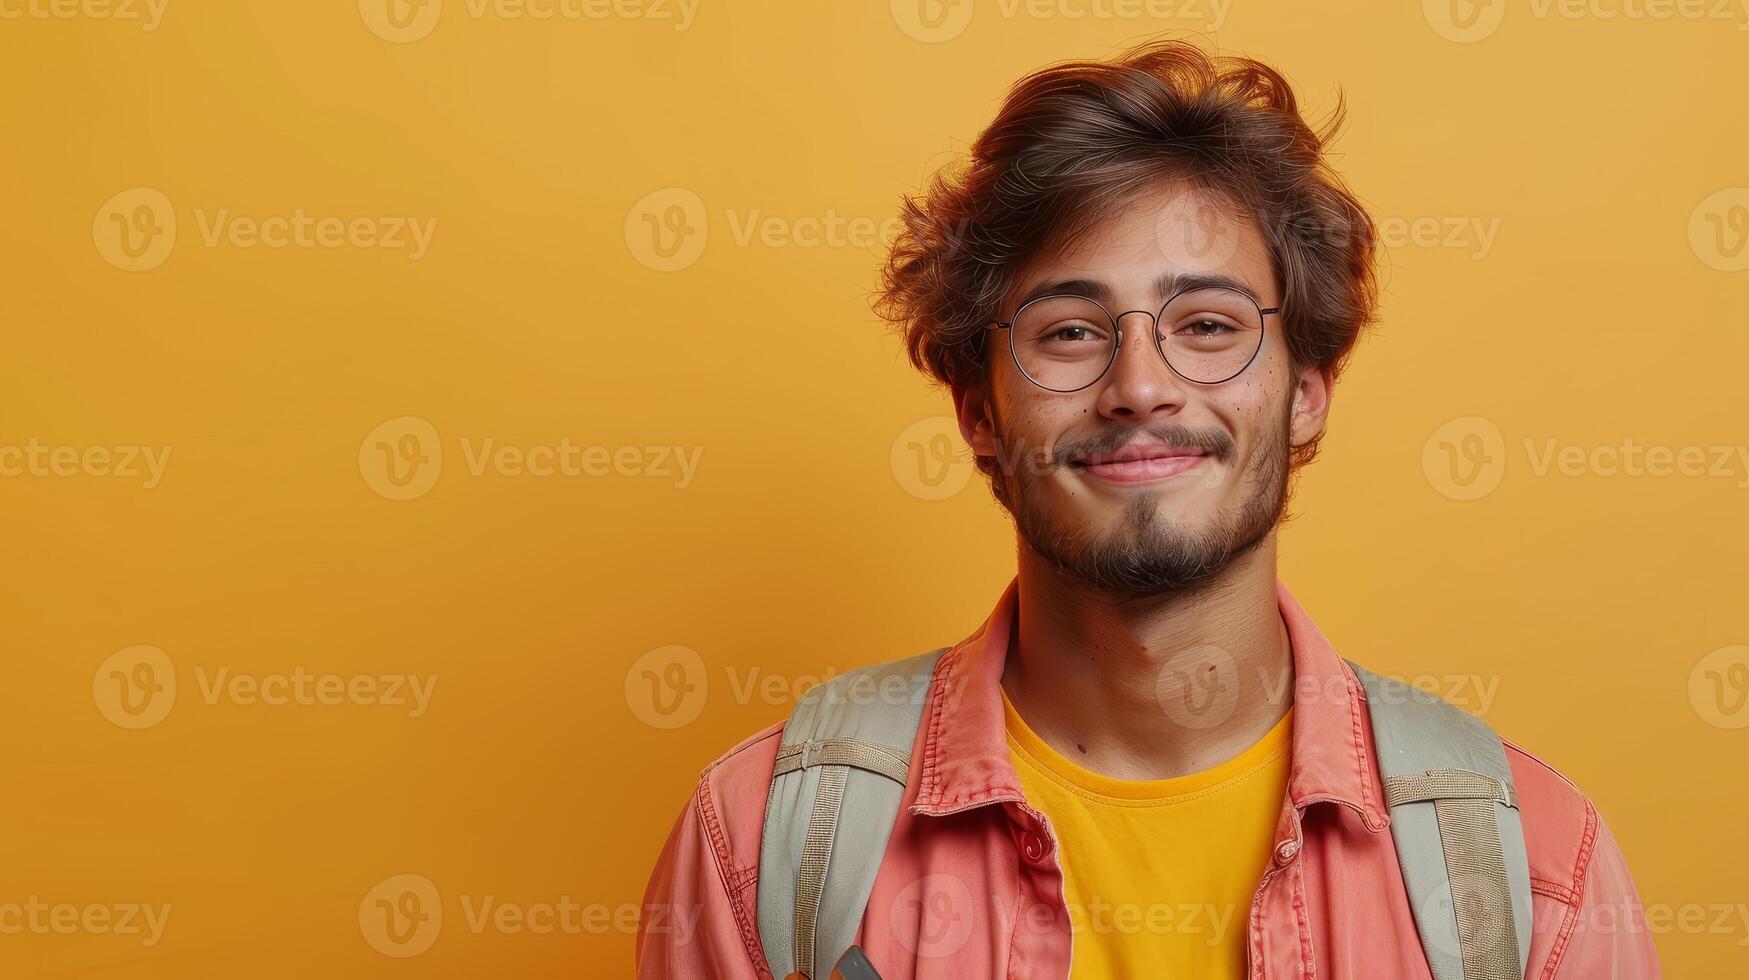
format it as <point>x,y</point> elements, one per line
<point>971,406</point>
<point>1311,404</point>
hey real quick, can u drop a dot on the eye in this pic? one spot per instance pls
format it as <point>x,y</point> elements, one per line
<point>1071,332</point>
<point>1205,327</point>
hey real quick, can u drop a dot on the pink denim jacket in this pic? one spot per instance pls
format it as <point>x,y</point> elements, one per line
<point>970,886</point>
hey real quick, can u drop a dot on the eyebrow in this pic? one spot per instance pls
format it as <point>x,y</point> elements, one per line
<point>1166,285</point>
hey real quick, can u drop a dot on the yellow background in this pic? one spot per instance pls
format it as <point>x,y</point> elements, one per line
<point>1606,307</point>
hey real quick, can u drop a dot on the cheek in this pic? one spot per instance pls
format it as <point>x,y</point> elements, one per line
<point>1260,396</point>
<point>1250,407</point>
<point>1254,408</point>
<point>1037,418</point>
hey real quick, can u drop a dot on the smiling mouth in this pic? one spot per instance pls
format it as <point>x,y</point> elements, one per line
<point>1140,464</point>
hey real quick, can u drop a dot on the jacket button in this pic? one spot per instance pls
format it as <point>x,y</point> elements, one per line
<point>1286,851</point>
<point>1032,847</point>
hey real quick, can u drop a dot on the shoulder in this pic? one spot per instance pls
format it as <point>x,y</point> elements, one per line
<point>1560,823</point>
<point>749,761</point>
<point>732,791</point>
<point>1590,920</point>
<point>709,867</point>
<point>1561,826</point>
<point>729,801</point>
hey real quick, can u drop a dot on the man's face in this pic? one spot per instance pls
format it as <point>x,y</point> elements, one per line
<point>1211,478</point>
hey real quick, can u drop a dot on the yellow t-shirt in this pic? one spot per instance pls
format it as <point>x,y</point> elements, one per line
<point>1158,874</point>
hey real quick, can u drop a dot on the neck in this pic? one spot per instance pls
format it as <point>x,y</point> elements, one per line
<point>1150,687</point>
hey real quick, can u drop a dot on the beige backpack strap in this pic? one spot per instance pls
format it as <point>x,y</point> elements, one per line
<point>1459,840</point>
<point>842,767</point>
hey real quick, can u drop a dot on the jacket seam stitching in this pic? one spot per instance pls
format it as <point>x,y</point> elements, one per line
<point>931,744</point>
<point>1360,746</point>
<point>739,879</point>
<point>1581,864</point>
<point>1308,965</point>
<point>1587,846</point>
<point>707,812</point>
<point>1554,890</point>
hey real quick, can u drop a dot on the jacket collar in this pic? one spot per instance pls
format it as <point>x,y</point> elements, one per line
<point>966,763</point>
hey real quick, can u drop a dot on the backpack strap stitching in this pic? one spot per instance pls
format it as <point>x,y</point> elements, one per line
<point>1448,784</point>
<point>816,854</point>
<point>874,757</point>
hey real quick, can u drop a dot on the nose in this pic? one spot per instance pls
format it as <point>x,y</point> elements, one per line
<point>1140,385</point>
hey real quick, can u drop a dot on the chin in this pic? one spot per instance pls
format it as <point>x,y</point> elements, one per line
<point>1132,508</point>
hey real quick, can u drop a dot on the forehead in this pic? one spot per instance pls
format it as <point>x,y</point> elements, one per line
<point>1170,234</point>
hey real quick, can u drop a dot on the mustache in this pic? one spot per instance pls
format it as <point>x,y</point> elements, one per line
<point>1215,443</point>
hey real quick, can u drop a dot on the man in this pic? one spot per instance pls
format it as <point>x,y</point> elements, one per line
<point>1148,761</point>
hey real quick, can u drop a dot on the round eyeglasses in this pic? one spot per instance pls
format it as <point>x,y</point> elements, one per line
<point>1065,343</point>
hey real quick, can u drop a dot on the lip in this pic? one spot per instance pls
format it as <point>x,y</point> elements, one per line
<point>1141,463</point>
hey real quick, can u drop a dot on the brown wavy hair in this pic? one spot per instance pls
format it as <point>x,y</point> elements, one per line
<point>1075,141</point>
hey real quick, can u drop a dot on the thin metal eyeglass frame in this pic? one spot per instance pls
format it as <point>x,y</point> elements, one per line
<point>1117,330</point>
